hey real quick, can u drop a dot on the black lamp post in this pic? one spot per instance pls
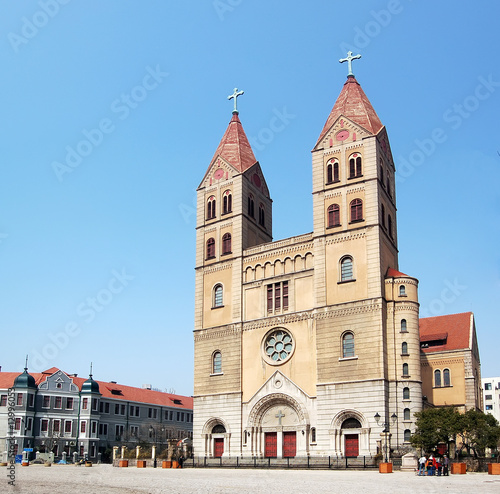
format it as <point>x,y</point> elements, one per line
<point>386,430</point>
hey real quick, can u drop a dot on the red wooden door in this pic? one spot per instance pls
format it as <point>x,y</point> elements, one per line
<point>289,444</point>
<point>351,445</point>
<point>218,447</point>
<point>271,446</point>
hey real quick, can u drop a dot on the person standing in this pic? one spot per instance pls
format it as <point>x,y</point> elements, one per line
<point>446,463</point>
<point>421,462</point>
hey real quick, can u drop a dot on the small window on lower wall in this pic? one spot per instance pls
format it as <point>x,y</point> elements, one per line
<point>217,363</point>
<point>406,393</point>
<point>406,372</point>
<point>407,435</point>
<point>313,434</point>
<point>348,345</point>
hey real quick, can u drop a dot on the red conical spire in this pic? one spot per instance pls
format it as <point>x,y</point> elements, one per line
<point>353,104</point>
<point>234,146</point>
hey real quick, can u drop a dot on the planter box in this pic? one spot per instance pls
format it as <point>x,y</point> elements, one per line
<point>166,464</point>
<point>141,463</point>
<point>175,464</point>
<point>458,468</point>
<point>385,467</point>
<point>88,463</point>
<point>493,468</point>
<point>123,463</point>
<point>25,464</point>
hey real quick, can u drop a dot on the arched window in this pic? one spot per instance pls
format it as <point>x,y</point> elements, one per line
<point>218,429</point>
<point>346,269</point>
<point>382,214</point>
<point>407,435</point>
<point>251,206</point>
<point>355,168</point>
<point>381,174</point>
<point>217,363</point>
<point>406,393</point>
<point>389,225</point>
<point>313,434</point>
<point>403,326</point>
<point>446,377</point>
<point>210,248</point>
<point>402,290</point>
<point>262,215</point>
<point>333,215</point>
<point>211,208</point>
<point>218,300</point>
<point>332,171</point>
<point>406,414</point>
<point>226,243</point>
<point>351,423</point>
<point>227,202</point>
<point>404,348</point>
<point>389,187</point>
<point>356,210</point>
<point>348,345</point>
<point>437,378</point>
<point>405,370</point>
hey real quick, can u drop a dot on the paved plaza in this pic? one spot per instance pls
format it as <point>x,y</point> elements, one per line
<point>104,479</point>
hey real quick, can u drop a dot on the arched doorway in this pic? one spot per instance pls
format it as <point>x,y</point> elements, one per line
<point>277,428</point>
<point>350,434</point>
<point>216,438</point>
<point>350,429</point>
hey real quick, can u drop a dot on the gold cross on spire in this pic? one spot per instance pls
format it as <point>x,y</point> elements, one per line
<point>349,60</point>
<point>234,96</point>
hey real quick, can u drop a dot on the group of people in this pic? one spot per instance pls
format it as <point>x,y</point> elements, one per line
<point>433,466</point>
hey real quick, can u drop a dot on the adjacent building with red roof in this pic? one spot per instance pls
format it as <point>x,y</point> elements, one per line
<point>450,364</point>
<point>59,412</point>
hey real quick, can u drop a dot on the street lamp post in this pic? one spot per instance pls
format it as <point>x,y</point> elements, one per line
<point>386,433</point>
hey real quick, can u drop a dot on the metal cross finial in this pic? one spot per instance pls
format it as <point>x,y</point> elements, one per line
<point>90,375</point>
<point>235,96</point>
<point>349,60</point>
<point>26,365</point>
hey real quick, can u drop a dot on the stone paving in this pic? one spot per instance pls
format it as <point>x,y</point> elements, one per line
<point>105,479</point>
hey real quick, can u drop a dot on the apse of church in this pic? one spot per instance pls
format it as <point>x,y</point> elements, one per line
<point>307,345</point>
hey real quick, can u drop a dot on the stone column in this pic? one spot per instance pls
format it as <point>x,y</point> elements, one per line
<point>137,452</point>
<point>115,452</point>
<point>153,452</point>
<point>123,452</point>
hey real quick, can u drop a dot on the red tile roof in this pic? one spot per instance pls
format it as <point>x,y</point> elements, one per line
<point>392,273</point>
<point>456,329</point>
<point>353,104</point>
<point>234,147</point>
<point>128,393</point>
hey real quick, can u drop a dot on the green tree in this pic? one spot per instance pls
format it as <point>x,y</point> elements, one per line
<point>479,431</point>
<point>434,426</point>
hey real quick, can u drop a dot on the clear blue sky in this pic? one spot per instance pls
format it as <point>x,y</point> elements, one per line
<point>146,83</point>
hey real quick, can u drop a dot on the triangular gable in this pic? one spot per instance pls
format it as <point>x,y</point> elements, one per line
<point>343,130</point>
<point>255,175</point>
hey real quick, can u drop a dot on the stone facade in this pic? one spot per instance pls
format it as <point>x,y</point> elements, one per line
<point>307,345</point>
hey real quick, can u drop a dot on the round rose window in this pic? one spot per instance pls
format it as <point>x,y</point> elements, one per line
<point>278,346</point>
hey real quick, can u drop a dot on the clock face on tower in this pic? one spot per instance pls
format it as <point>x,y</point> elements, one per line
<point>342,135</point>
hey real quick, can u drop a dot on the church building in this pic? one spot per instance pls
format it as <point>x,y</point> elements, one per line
<point>307,345</point>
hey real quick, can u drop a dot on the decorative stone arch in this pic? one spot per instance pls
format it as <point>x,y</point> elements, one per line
<point>279,267</point>
<point>210,437</point>
<point>259,272</point>
<point>289,265</point>
<point>309,260</point>
<point>250,274</point>
<point>299,262</point>
<point>338,434</point>
<point>283,417</point>
<point>268,270</point>
<point>261,407</point>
